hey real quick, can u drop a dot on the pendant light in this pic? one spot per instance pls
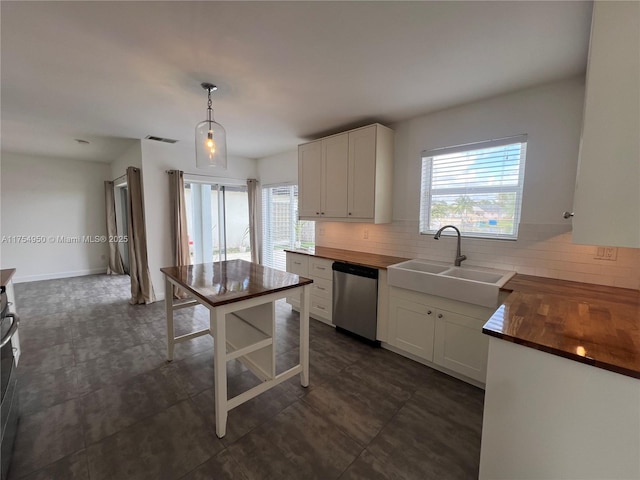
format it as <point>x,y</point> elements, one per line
<point>211,139</point>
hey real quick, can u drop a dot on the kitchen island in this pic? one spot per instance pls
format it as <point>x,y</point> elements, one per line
<point>240,298</point>
<point>563,383</point>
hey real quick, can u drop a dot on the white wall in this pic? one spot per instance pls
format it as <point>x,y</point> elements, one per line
<point>551,116</point>
<point>52,197</point>
<point>280,168</point>
<point>131,157</point>
<point>157,158</point>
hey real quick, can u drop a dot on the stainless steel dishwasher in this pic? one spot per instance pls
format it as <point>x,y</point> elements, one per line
<point>355,299</point>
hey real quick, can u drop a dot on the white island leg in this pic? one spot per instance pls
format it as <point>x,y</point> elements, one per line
<point>304,335</point>
<point>218,327</point>
<point>168,302</point>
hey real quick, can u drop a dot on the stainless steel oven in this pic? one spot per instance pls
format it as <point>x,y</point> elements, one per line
<point>9,408</point>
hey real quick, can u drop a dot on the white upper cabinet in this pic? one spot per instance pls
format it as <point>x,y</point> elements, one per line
<point>607,197</point>
<point>347,177</point>
<point>334,177</point>
<point>322,177</point>
<point>309,174</point>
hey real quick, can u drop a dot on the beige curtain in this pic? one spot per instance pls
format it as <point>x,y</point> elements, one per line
<point>179,235</point>
<point>253,190</point>
<point>115,266</point>
<point>141,287</point>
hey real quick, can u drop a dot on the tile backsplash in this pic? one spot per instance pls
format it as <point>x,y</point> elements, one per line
<point>542,250</point>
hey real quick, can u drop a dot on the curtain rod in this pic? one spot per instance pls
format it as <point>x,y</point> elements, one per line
<point>119,178</point>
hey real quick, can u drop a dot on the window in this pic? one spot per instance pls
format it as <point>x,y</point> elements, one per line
<point>476,187</point>
<point>217,222</point>
<point>281,228</point>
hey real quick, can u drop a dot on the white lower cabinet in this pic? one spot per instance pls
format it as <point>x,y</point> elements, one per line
<point>298,264</point>
<point>320,271</point>
<point>460,345</point>
<point>411,327</point>
<point>442,333</point>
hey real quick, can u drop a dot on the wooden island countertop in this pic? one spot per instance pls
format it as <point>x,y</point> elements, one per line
<point>219,283</point>
<point>592,324</point>
<point>373,260</point>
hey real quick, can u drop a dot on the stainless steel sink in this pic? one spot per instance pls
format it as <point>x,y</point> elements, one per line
<point>476,285</point>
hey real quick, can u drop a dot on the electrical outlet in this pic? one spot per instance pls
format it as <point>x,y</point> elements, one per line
<point>365,235</point>
<point>606,253</point>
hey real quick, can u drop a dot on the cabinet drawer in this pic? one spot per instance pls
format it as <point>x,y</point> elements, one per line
<point>321,287</point>
<point>320,307</point>
<point>320,268</point>
<point>298,264</point>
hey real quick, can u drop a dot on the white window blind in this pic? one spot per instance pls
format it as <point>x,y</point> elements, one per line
<point>281,228</point>
<point>476,187</point>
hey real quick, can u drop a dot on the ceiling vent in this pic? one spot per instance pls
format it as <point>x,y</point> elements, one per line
<point>160,139</point>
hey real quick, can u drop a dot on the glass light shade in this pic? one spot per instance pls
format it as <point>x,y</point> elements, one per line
<point>211,145</point>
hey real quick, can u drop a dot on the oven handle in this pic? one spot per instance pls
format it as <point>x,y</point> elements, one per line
<point>12,330</point>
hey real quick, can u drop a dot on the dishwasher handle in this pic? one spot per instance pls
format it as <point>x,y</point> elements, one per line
<point>357,270</point>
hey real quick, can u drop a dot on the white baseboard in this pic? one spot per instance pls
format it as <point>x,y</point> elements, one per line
<point>52,276</point>
<point>159,297</point>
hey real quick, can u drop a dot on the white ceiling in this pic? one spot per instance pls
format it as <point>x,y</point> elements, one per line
<point>110,72</point>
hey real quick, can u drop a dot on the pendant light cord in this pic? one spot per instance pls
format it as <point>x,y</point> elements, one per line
<point>209,110</point>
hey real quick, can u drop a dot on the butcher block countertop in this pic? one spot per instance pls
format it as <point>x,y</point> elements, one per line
<point>5,276</point>
<point>592,324</point>
<point>359,258</point>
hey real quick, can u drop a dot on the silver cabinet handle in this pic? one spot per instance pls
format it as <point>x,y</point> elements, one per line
<point>321,268</point>
<point>567,215</point>
<point>320,308</point>
<point>298,263</point>
<point>321,288</point>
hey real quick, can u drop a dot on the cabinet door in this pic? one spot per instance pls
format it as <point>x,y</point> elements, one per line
<point>362,173</point>
<point>460,345</point>
<point>411,327</point>
<point>608,182</point>
<point>309,175</point>
<point>334,177</point>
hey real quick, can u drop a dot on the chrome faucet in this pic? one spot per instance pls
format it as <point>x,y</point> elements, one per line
<point>459,256</point>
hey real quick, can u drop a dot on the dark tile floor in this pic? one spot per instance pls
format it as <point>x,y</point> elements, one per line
<point>99,401</point>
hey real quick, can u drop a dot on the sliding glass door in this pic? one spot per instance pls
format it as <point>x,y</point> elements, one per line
<point>217,222</point>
